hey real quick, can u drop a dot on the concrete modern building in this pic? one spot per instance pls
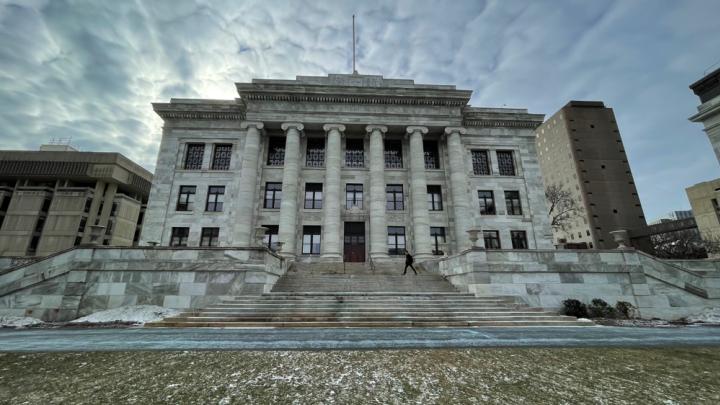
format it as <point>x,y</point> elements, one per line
<point>580,149</point>
<point>708,90</point>
<point>346,167</point>
<point>50,198</point>
<point>704,200</point>
<point>672,216</point>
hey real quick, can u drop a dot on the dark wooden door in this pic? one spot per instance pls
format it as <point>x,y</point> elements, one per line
<point>354,246</point>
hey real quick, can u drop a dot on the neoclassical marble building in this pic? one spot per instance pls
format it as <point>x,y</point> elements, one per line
<point>346,167</point>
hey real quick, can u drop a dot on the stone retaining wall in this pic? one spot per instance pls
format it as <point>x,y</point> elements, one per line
<point>546,278</point>
<point>81,281</point>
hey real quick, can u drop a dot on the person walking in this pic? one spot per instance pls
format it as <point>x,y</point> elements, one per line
<point>409,262</point>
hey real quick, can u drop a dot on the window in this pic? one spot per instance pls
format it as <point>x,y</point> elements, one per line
<point>113,209</point>
<point>271,237</point>
<point>480,162</point>
<point>492,239</point>
<point>179,236</point>
<point>432,157</point>
<point>221,157</point>
<point>354,153</point>
<point>394,194</point>
<point>311,240</point>
<point>487,202</point>
<point>209,236</point>
<point>519,239</point>
<point>437,235</point>
<point>315,156</point>
<point>186,196</point>
<point>434,197</point>
<point>393,155</point>
<point>46,205</point>
<point>273,195</point>
<point>396,240</point>
<point>313,195</point>
<point>215,197</point>
<point>83,223</point>
<point>506,163</point>
<point>194,156</point>
<point>34,242</point>
<point>40,224</point>
<point>353,196</point>
<point>88,203</point>
<point>6,204</point>
<point>276,151</point>
<point>512,203</point>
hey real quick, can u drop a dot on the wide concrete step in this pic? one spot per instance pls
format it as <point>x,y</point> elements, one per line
<point>369,294</point>
<point>333,310</point>
<point>342,319</point>
<point>366,324</point>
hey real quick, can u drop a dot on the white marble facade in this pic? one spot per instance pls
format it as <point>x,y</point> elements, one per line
<point>338,113</point>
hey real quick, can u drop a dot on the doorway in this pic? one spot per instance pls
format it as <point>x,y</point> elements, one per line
<point>354,246</point>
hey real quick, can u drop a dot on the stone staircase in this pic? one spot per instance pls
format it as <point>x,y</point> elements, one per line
<point>355,295</point>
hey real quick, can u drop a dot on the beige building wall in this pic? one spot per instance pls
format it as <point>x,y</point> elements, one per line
<point>704,200</point>
<point>580,148</point>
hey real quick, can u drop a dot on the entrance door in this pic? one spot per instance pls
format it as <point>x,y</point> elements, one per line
<point>354,247</point>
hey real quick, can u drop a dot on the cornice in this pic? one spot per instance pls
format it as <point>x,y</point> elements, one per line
<point>490,123</point>
<point>198,111</point>
<point>356,99</point>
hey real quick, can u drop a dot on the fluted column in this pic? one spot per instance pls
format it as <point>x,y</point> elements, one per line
<point>332,191</point>
<point>287,231</point>
<point>418,194</point>
<point>243,229</point>
<point>458,187</point>
<point>378,223</point>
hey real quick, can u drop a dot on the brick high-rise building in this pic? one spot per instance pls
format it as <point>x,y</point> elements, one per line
<point>580,149</point>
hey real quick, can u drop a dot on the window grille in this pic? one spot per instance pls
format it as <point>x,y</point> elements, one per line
<point>221,157</point>
<point>315,156</point>
<point>432,157</point>
<point>194,156</point>
<point>393,155</point>
<point>480,162</point>
<point>354,153</point>
<point>506,163</point>
<point>276,151</point>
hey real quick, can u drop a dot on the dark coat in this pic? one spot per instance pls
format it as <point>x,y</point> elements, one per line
<point>408,258</point>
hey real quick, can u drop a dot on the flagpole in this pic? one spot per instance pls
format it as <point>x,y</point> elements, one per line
<point>354,71</point>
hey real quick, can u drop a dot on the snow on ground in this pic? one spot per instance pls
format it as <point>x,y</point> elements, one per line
<point>18,321</point>
<point>709,315</point>
<point>129,314</point>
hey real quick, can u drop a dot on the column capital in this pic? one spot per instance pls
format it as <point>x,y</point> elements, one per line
<point>373,127</point>
<point>256,124</point>
<point>460,130</point>
<point>295,125</point>
<point>414,128</point>
<point>330,127</point>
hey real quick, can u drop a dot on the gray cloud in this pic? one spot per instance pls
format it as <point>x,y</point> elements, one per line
<point>89,70</point>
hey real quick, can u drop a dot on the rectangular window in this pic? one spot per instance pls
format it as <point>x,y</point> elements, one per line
<point>271,237</point>
<point>273,195</point>
<point>354,153</point>
<point>432,157</point>
<point>480,162</point>
<point>6,204</point>
<point>88,204</point>
<point>393,155</point>
<point>221,157</point>
<point>434,198</point>
<point>437,236</point>
<point>353,196</point>
<point>313,195</point>
<point>512,203</point>
<point>315,156</point>
<point>519,239</point>
<point>186,197</point>
<point>276,151</point>
<point>113,209</point>
<point>179,236</point>
<point>394,193</point>
<point>194,156</point>
<point>311,240</point>
<point>506,163</point>
<point>209,236</point>
<point>487,202</point>
<point>215,198</point>
<point>492,239</point>
<point>396,240</point>
<point>83,223</point>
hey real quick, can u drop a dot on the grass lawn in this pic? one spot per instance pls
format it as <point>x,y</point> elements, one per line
<point>507,375</point>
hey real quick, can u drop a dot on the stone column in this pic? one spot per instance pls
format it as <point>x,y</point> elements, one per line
<point>458,187</point>
<point>418,194</point>
<point>242,234</point>
<point>378,223</point>
<point>287,231</point>
<point>332,192</point>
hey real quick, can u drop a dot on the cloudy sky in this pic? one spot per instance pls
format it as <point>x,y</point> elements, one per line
<point>90,69</point>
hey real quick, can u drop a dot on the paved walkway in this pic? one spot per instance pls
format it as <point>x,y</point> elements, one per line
<point>41,340</point>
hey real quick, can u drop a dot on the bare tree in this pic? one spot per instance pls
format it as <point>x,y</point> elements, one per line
<point>563,207</point>
<point>685,244</point>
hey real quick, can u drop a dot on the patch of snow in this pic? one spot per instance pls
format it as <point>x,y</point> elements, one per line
<point>709,315</point>
<point>139,314</point>
<point>18,321</point>
<point>583,320</point>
